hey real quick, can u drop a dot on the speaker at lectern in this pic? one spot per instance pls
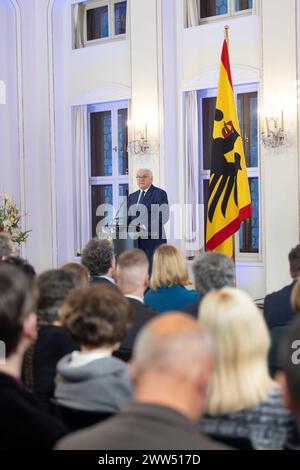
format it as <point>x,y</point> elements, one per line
<point>119,235</point>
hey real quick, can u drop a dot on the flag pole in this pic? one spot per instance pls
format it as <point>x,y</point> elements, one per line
<point>226,33</point>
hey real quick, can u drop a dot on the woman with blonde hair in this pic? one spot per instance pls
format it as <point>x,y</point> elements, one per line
<point>169,280</point>
<point>244,406</point>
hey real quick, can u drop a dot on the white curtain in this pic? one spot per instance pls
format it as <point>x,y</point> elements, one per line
<point>192,210</point>
<point>192,13</point>
<point>81,174</point>
<point>79,11</point>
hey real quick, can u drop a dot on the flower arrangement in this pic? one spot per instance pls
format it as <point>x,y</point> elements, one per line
<point>10,218</point>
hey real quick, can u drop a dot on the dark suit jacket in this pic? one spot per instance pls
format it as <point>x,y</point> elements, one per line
<point>141,426</point>
<point>100,280</point>
<point>155,227</point>
<point>141,315</point>
<point>193,309</point>
<point>23,425</point>
<point>277,307</point>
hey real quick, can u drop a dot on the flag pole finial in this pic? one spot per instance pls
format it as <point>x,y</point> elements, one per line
<point>226,33</point>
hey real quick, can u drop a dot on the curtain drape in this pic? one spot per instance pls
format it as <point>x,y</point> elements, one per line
<point>192,210</point>
<point>192,13</point>
<point>81,175</point>
<point>79,11</point>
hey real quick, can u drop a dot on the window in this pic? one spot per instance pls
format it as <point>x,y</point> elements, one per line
<point>95,21</point>
<point>202,11</point>
<point>108,176</point>
<point>248,241</point>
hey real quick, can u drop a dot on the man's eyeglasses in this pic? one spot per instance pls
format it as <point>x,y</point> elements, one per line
<point>142,177</point>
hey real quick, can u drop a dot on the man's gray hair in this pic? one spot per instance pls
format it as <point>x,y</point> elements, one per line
<point>5,244</point>
<point>213,271</point>
<point>146,169</point>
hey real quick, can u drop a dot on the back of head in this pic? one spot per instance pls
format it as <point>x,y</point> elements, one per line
<point>80,272</point>
<point>240,377</point>
<point>96,316</point>
<point>6,245</point>
<point>172,343</point>
<point>17,300</point>
<point>23,265</point>
<point>290,362</point>
<point>97,256</point>
<point>132,270</point>
<point>213,271</point>
<point>169,268</point>
<point>294,260</point>
<point>53,286</point>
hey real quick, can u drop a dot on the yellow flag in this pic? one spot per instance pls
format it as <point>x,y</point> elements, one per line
<point>229,201</point>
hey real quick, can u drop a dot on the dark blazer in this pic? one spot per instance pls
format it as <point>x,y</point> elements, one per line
<point>193,309</point>
<point>154,231</point>
<point>141,426</point>
<point>277,307</point>
<point>100,280</point>
<point>23,425</point>
<point>141,315</point>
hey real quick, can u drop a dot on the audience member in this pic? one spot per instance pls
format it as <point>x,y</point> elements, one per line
<point>7,246</point>
<point>170,372</point>
<point>211,271</point>
<point>133,280</point>
<point>244,406</point>
<point>53,342</point>
<point>81,273</point>
<point>22,264</point>
<point>97,317</point>
<point>289,379</point>
<point>169,280</point>
<point>278,310</point>
<point>22,425</point>
<point>99,258</point>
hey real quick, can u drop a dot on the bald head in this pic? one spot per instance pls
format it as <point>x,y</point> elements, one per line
<point>172,343</point>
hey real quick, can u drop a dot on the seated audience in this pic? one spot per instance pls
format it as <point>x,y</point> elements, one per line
<point>278,310</point>
<point>289,379</point>
<point>7,246</point>
<point>169,280</point>
<point>53,342</point>
<point>99,258</point>
<point>211,271</point>
<point>81,273</point>
<point>98,318</point>
<point>171,366</point>
<point>133,280</point>
<point>244,406</point>
<point>23,425</point>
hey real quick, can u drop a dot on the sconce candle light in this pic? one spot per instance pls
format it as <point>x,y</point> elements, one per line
<point>275,136</point>
<point>139,143</point>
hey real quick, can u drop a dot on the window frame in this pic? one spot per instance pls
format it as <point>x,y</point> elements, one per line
<point>253,172</point>
<point>111,22</point>
<point>231,13</point>
<point>115,179</point>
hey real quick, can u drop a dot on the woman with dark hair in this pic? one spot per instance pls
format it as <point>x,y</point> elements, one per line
<point>98,318</point>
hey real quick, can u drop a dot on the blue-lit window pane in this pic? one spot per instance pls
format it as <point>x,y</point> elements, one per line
<point>122,142</point>
<point>123,194</point>
<point>101,145</point>
<point>120,18</point>
<point>101,194</point>
<point>97,23</point>
<point>249,231</point>
<point>248,119</point>
<point>213,8</point>
<point>243,5</point>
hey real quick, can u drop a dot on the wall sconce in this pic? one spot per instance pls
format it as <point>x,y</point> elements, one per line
<point>139,145</point>
<point>275,136</point>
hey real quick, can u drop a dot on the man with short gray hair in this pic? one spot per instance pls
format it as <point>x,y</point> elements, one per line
<point>211,271</point>
<point>171,367</point>
<point>148,211</point>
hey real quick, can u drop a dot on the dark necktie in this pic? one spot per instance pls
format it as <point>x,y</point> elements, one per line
<point>142,197</point>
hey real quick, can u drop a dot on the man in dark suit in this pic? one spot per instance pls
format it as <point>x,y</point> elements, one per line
<point>170,371</point>
<point>133,280</point>
<point>148,211</point>
<point>277,306</point>
<point>99,258</point>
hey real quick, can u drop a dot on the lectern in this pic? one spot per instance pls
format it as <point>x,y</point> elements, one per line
<point>122,238</point>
